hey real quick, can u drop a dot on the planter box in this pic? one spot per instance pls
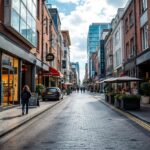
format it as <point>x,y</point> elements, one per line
<point>130,104</point>
<point>111,99</point>
<point>117,103</point>
<point>106,98</point>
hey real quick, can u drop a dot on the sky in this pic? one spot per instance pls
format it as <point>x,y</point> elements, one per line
<point>77,15</point>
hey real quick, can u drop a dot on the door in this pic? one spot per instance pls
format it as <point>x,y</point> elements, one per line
<point>7,86</point>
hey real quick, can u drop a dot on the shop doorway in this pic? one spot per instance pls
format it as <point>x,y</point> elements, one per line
<point>7,86</point>
<point>26,74</point>
<point>9,80</point>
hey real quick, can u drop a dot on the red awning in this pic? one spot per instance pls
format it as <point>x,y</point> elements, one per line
<point>53,72</point>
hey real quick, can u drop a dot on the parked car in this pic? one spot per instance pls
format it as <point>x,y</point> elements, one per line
<point>52,93</point>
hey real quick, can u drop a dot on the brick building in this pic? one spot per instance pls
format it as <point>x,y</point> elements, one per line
<point>143,53</point>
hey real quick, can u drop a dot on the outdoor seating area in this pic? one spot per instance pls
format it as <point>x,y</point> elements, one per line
<point>123,92</point>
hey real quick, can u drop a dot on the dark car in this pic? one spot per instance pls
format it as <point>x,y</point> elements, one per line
<point>52,93</point>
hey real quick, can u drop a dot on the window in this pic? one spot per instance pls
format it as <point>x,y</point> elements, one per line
<point>127,50</point>
<point>145,36</point>
<point>46,27</point>
<point>64,64</point>
<point>23,28</point>
<point>131,47</point>
<point>118,57</point>
<point>131,18</point>
<point>22,19</point>
<point>16,5</point>
<point>117,38</point>
<point>126,25</point>
<point>15,18</point>
<point>46,48</point>
<point>65,54</point>
<point>143,6</point>
<point>38,9</point>
<point>38,42</point>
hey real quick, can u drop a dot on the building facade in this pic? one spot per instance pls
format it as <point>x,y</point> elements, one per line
<point>93,41</point>
<point>143,53</point>
<point>109,55</point>
<point>66,70</point>
<point>117,35</point>
<point>17,38</point>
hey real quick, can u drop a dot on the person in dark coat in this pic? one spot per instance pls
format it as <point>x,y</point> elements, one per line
<point>25,96</point>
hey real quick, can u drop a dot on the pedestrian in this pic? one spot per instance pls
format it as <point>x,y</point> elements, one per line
<point>78,89</point>
<point>81,89</point>
<point>84,89</point>
<point>25,96</point>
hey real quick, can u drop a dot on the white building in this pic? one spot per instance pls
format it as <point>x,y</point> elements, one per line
<point>117,35</point>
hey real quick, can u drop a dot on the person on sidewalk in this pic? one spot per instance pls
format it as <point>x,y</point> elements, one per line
<point>25,96</point>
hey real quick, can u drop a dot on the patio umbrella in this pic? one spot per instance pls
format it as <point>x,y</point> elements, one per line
<point>126,79</point>
<point>109,79</point>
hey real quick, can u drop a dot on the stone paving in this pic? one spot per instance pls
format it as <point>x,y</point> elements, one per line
<point>12,118</point>
<point>81,122</point>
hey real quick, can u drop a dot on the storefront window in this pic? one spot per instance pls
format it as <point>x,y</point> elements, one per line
<point>9,80</point>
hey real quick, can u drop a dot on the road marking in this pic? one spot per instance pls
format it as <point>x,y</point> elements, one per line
<point>129,116</point>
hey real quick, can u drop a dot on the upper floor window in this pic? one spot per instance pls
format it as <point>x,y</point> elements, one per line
<point>38,9</point>
<point>143,6</point>
<point>131,18</point>
<point>145,37</point>
<point>131,47</point>
<point>126,25</point>
<point>127,50</point>
<point>46,27</point>
<point>38,42</point>
<point>117,38</point>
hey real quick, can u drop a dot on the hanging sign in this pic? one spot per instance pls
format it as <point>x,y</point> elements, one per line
<point>50,57</point>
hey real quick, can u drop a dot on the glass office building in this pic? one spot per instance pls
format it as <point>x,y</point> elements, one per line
<point>23,18</point>
<point>93,41</point>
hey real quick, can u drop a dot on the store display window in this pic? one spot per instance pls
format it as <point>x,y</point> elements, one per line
<point>9,80</point>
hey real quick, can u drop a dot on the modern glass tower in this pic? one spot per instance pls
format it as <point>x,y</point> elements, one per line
<point>93,41</point>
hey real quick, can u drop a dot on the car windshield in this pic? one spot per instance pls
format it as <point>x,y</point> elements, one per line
<point>51,90</point>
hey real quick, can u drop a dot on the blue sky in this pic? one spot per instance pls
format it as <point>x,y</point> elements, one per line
<point>77,15</point>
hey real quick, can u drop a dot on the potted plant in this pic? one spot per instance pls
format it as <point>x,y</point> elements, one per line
<point>130,102</point>
<point>40,88</point>
<point>145,87</point>
<point>117,102</point>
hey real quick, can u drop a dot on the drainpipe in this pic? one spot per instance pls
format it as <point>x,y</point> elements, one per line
<point>135,39</point>
<point>42,50</point>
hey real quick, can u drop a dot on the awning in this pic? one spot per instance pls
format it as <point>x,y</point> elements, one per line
<point>53,72</point>
<point>121,79</point>
<point>68,83</point>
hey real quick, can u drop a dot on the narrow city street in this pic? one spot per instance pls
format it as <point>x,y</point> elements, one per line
<point>80,122</point>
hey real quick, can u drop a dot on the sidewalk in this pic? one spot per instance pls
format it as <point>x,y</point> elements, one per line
<point>12,118</point>
<point>142,114</point>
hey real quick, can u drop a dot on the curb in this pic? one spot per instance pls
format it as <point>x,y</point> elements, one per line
<point>13,127</point>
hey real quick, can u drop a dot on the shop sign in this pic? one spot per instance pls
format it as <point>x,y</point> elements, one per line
<point>50,57</point>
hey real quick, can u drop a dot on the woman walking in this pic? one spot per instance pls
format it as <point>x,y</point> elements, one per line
<point>25,96</point>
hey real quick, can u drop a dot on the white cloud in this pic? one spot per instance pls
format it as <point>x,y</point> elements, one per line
<point>78,21</point>
<point>69,1</point>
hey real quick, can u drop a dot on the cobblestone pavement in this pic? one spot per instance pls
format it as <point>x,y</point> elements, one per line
<point>80,123</point>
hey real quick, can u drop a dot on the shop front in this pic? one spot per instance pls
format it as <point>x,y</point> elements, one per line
<point>52,77</point>
<point>9,80</point>
<point>143,63</point>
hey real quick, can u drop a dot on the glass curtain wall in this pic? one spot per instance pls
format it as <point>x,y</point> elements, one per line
<point>23,18</point>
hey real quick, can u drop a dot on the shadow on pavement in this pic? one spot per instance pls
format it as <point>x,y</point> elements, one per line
<point>12,117</point>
